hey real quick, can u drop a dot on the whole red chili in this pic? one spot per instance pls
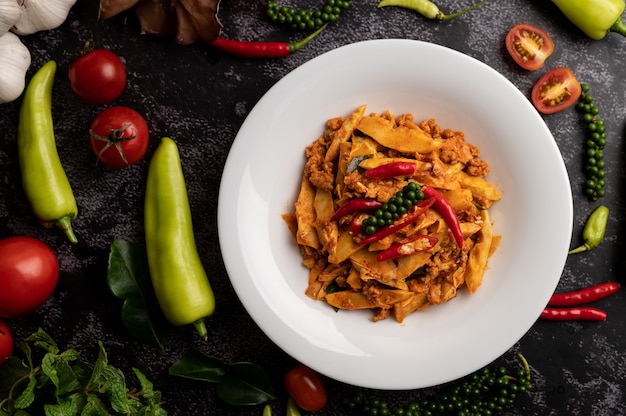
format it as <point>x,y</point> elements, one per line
<point>254,49</point>
<point>390,170</point>
<point>585,295</point>
<point>356,205</point>
<point>409,218</point>
<point>446,211</point>
<point>581,313</point>
<point>407,248</point>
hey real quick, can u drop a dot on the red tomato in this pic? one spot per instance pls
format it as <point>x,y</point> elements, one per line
<point>305,388</point>
<point>119,136</point>
<point>556,90</point>
<point>29,271</point>
<point>97,77</point>
<point>529,46</point>
<point>6,342</point>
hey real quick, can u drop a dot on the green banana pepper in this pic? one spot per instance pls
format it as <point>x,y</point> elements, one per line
<point>180,282</point>
<point>594,230</point>
<point>594,17</point>
<point>44,181</point>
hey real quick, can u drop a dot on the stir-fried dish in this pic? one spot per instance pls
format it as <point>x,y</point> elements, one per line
<point>392,215</point>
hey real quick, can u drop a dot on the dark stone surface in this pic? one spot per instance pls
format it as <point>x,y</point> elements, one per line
<point>201,98</point>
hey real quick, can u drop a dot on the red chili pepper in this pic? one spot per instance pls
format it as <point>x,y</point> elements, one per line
<point>252,49</point>
<point>582,313</point>
<point>447,212</point>
<point>390,170</point>
<point>408,218</point>
<point>357,224</point>
<point>586,295</point>
<point>356,205</point>
<point>407,248</point>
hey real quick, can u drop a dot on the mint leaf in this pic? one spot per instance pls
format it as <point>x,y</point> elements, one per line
<point>128,278</point>
<point>63,385</point>
<point>48,368</point>
<point>65,407</point>
<point>198,366</point>
<point>42,340</point>
<point>27,396</point>
<point>12,370</point>
<point>94,407</point>
<point>117,385</point>
<point>98,367</point>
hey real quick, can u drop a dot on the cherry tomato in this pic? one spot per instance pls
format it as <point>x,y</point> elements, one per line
<point>29,271</point>
<point>556,90</point>
<point>529,46</point>
<point>305,388</point>
<point>6,342</point>
<point>97,77</point>
<point>119,136</point>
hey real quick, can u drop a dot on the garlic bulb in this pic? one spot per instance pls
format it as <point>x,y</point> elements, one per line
<point>42,15</point>
<point>10,13</point>
<point>14,61</point>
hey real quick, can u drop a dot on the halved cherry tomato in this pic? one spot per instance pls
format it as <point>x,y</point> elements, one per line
<point>6,342</point>
<point>305,387</point>
<point>529,46</point>
<point>556,90</point>
<point>119,136</point>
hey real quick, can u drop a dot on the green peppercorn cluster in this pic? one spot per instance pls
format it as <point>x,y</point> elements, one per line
<point>305,19</point>
<point>594,145</point>
<point>484,393</point>
<point>410,195</point>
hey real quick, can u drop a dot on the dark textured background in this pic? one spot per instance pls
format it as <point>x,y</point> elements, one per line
<point>201,98</point>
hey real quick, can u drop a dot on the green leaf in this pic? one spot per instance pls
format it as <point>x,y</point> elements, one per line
<point>48,367</point>
<point>245,384</point>
<point>12,370</point>
<point>42,340</point>
<point>128,278</point>
<point>65,407</point>
<point>198,366</point>
<point>70,355</point>
<point>151,396</point>
<point>98,367</point>
<point>354,162</point>
<point>117,386</point>
<point>27,396</point>
<point>94,407</point>
<point>60,373</point>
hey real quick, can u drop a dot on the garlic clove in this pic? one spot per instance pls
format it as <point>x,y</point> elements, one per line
<point>14,61</point>
<point>40,15</point>
<point>10,13</point>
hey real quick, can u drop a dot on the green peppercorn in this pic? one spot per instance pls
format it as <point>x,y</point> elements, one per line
<point>594,163</point>
<point>302,19</point>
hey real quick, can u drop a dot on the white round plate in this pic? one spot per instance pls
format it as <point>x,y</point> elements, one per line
<point>261,181</point>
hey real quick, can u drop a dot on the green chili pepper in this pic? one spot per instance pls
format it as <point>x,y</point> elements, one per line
<point>593,233</point>
<point>427,8</point>
<point>292,408</point>
<point>267,410</point>
<point>594,17</point>
<point>180,282</point>
<point>44,181</point>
